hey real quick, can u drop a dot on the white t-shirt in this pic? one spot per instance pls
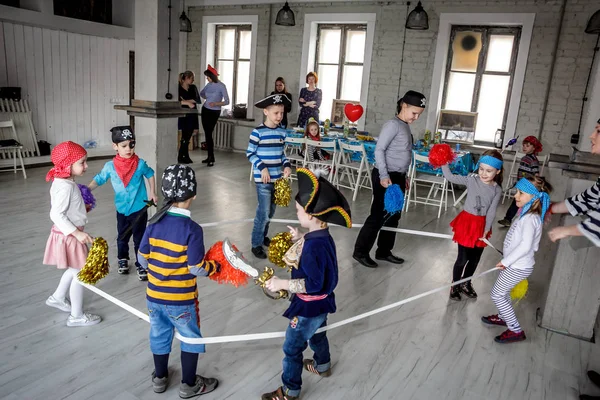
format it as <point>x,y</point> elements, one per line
<point>67,207</point>
<point>522,241</point>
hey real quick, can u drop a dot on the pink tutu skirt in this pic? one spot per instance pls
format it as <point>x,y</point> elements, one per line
<point>64,251</point>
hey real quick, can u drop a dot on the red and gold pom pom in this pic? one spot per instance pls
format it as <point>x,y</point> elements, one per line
<point>441,154</point>
<point>228,274</point>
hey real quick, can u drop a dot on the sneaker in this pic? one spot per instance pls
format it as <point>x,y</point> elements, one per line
<point>493,320</point>
<point>142,274</point>
<point>455,293</point>
<point>123,267</point>
<point>467,289</point>
<point>267,241</point>
<point>86,319</point>
<point>202,386</point>
<point>309,365</point>
<point>278,395</point>
<point>509,336</point>
<point>259,252</point>
<point>159,385</point>
<point>62,305</point>
<point>505,222</point>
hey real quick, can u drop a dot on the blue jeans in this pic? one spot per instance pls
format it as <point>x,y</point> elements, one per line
<point>264,211</point>
<point>300,331</point>
<point>163,320</point>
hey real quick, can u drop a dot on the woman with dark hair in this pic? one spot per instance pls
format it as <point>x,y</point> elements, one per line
<point>215,96</point>
<point>188,125</point>
<point>310,100</point>
<point>280,88</point>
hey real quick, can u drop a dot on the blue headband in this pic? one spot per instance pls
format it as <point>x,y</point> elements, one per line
<point>527,187</point>
<point>491,161</point>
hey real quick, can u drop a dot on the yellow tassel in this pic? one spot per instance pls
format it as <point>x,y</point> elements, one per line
<point>96,265</point>
<point>279,245</point>
<point>283,192</point>
<point>519,291</point>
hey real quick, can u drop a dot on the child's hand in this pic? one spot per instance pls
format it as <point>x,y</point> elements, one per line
<point>82,237</point>
<point>88,208</point>
<point>264,175</point>
<point>287,171</point>
<point>488,234</point>
<point>275,284</point>
<point>296,234</point>
<point>154,198</point>
<point>499,265</point>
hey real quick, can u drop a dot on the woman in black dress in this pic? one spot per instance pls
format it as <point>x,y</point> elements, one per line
<point>281,89</point>
<point>188,125</point>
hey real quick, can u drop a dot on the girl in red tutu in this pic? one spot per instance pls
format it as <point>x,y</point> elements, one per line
<point>476,218</point>
<point>66,247</point>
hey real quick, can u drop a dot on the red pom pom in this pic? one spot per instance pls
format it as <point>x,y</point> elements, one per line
<point>227,274</point>
<point>441,154</point>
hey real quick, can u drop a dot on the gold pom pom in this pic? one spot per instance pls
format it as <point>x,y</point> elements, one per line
<point>519,291</point>
<point>283,192</point>
<point>96,265</point>
<point>280,244</point>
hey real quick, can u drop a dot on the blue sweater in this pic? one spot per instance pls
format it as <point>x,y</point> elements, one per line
<point>214,93</point>
<point>319,268</point>
<point>265,150</point>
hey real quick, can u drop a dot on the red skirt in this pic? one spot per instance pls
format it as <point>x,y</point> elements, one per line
<point>468,229</point>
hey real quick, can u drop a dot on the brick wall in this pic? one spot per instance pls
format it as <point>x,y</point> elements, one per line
<point>279,53</point>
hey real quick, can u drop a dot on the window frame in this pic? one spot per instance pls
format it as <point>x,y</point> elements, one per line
<point>486,32</point>
<point>238,27</point>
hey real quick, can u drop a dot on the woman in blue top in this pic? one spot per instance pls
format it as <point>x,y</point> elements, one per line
<point>310,100</point>
<point>215,96</point>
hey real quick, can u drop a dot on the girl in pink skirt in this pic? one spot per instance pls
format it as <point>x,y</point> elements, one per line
<point>66,247</point>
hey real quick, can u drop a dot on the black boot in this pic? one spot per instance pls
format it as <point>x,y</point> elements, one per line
<point>206,161</point>
<point>455,293</point>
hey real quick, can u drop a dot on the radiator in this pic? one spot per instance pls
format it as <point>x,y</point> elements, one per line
<point>222,135</point>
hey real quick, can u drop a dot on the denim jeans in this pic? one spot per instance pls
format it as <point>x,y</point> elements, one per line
<point>300,331</point>
<point>138,227</point>
<point>164,319</point>
<point>264,211</point>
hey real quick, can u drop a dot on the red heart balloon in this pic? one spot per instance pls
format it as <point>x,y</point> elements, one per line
<point>353,111</point>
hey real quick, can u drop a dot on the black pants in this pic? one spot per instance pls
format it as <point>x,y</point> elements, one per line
<point>467,260</point>
<point>128,225</point>
<point>512,210</point>
<point>184,145</point>
<point>209,120</point>
<point>378,218</point>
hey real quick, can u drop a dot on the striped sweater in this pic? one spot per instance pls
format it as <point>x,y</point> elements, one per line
<point>265,150</point>
<point>588,203</point>
<point>529,166</point>
<point>173,252</point>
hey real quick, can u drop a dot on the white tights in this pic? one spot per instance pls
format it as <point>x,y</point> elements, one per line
<point>69,282</point>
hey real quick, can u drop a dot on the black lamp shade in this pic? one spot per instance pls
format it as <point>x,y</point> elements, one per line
<point>285,16</point>
<point>593,25</point>
<point>185,25</point>
<point>417,19</point>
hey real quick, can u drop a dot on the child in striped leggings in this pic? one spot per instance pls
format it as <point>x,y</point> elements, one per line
<point>520,244</point>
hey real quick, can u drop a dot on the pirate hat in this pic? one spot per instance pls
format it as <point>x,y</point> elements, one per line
<point>178,185</point>
<point>122,133</point>
<point>321,199</point>
<point>274,99</point>
<point>414,99</point>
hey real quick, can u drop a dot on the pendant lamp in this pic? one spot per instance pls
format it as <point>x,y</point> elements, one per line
<point>417,19</point>
<point>285,16</point>
<point>185,25</point>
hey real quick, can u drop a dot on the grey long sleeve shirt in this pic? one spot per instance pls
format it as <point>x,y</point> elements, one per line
<point>393,151</point>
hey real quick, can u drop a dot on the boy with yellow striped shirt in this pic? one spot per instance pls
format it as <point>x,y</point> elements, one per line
<point>172,250</point>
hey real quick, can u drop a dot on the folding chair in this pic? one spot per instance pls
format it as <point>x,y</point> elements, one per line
<point>353,170</point>
<point>433,182</point>
<point>331,148</point>
<point>12,145</point>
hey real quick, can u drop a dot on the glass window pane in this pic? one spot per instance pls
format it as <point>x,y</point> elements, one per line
<point>355,46</point>
<point>243,81</point>
<point>351,82</point>
<point>225,69</point>
<point>459,92</point>
<point>329,46</point>
<point>226,43</point>
<point>491,106</point>
<point>465,51</point>
<point>499,53</point>
<point>245,44</point>
<point>328,76</point>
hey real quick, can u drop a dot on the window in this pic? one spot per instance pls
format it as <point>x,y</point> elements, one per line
<point>232,59</point>
<point>479,75</point>
<point>339,60</point>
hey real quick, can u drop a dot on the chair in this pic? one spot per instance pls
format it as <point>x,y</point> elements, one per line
<point>434,182</point>
<point>514,171</point>
<point>292,149</point>
<point>331,148</point>
<point>353,170</point>
<point>15,147</point>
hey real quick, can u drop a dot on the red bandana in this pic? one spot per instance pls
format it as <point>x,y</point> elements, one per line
<point>126,167</point>
<point>63,156</point>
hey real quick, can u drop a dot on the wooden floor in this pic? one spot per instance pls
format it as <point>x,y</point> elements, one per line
<point>428,349</point>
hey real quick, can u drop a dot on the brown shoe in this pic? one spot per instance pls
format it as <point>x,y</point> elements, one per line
<point>309,365</point>
<point>278,395</point>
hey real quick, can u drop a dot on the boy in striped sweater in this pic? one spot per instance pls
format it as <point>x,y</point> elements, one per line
<point>265,152</point>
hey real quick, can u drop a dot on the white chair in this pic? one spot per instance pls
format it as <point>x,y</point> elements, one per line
<point>433,182</point>
<point>513,176</point>
<point>15,149</point>
<point>352,170</point>
<point>331,148</point>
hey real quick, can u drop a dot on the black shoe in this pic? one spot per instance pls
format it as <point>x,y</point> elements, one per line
<point>594,377</point>
<point>588,397</point>
<point>259,252</point>
<point>267,241</point>
<point>390,258</point>
<point>505,222</point>
<point>210,164</point>
<point>123,267</point>
<point>365,261</point>
<point>142,274</point>
<point>205,161</point>
<point>467,289</point>
<point>455,293</point>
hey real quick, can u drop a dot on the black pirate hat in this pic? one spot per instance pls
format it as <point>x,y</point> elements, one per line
<point>178,185</point>
<point>274,99</point>
<point>122,133</point>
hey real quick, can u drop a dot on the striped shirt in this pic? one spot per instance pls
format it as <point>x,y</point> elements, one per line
<point>265,150</point>
<point>174,250</point>
<point>528,166</point>
<point>588,203</point>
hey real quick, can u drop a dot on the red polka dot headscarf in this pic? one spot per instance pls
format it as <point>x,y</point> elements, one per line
<point>63,156</point>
